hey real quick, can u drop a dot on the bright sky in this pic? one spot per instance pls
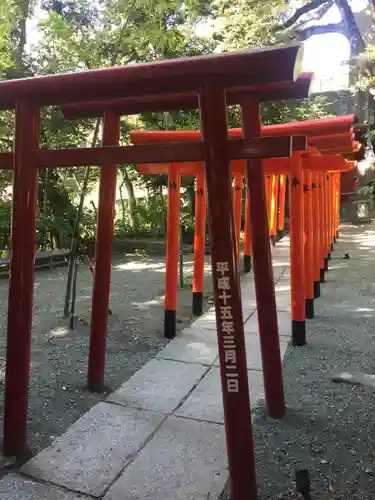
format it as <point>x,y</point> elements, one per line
<point>327,54</point>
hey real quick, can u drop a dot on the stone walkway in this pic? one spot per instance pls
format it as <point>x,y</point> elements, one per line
<point>161,435</point>
<point>59,355</point>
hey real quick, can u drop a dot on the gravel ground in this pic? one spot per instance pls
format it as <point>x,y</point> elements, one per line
<point>329,427</point>
<point>59,356</point>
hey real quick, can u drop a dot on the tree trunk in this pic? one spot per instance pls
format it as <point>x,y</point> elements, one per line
<point>181,260</point>
<point>94,208</point>
<point>357,44</point>
<point>45,207</point>
<point>75,236</point>
<point>20,29</point>
<point>123,206</point>
<point>131,199</point>
<point>190,191</point>
<point>164,207</point>
<point>74,293</point>
<point>162,199</point>
<point>74,245</point>
<point>361,105</point>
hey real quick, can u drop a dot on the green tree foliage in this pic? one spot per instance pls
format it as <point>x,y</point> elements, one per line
<point>6,23</point>
<point>247,23</point>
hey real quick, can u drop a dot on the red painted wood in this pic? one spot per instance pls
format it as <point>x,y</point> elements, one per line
<point>199,232</point>
<point>21,278</point>
<point>308,235</point>
<point>250,68</point>
<point>103,260</point>
<point>226,284</point>
<point>169,152</point>
<point>298,89</point>
<point>172,252</point>
<point>296,214</point>
<point>263,273</point>
<point>310,128</point>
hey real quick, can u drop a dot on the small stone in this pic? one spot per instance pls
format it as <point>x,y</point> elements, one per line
<point>8,461</point>
<point>324,462</point>
<point>316,449</point>
<point>369,471</point>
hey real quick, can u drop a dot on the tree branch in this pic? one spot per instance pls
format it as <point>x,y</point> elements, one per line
<point>314,4</point>
<point>122,31</point>
<point>320,30</point>
<point>357,44</point>
<point>322,11</point>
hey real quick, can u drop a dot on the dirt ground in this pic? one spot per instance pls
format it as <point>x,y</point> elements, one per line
<point>59,356</point>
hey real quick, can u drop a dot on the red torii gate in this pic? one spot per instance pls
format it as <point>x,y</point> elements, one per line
<point>340,127</point>
<point>175,172</point>
<point>209,77</point>
<point>334,135</point>
<point>303,290</point>
<point>298,89</point>
<point>267,315</point>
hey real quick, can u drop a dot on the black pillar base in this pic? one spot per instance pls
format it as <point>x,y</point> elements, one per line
<point>247,263</point>
<point>273,240</point>
<point>298,333</point>
<point>329,257</point>
<point>197,303</point>
<point>334,239</point>
<point>97,388</point>
<point>322,276</point>
<point>337,235</point>
<point>326,260</point>
<point>316,289</point>
<point>332,248</point>
<point>169,324</point>
<point>309,308</point>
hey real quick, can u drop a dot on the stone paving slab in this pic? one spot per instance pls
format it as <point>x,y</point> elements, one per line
<point>282,285</point>
<point>253,356</point>
<point>281,249</point>
<point>281,257</point>
<point>159,385</point>
<point>17,487</point>
<point>283,320</point>
<point>248,297</point>
<point>283,295</point>
<point>91,454</point>
<point>185,460</point>
<point>193,345</point>
<point>280,264</point>
<point>208,320</point>
<point>286,274</point>
<point>278,272</point>
<point>282,291</point>
<point>206,402</point>
<point>129,437</point>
